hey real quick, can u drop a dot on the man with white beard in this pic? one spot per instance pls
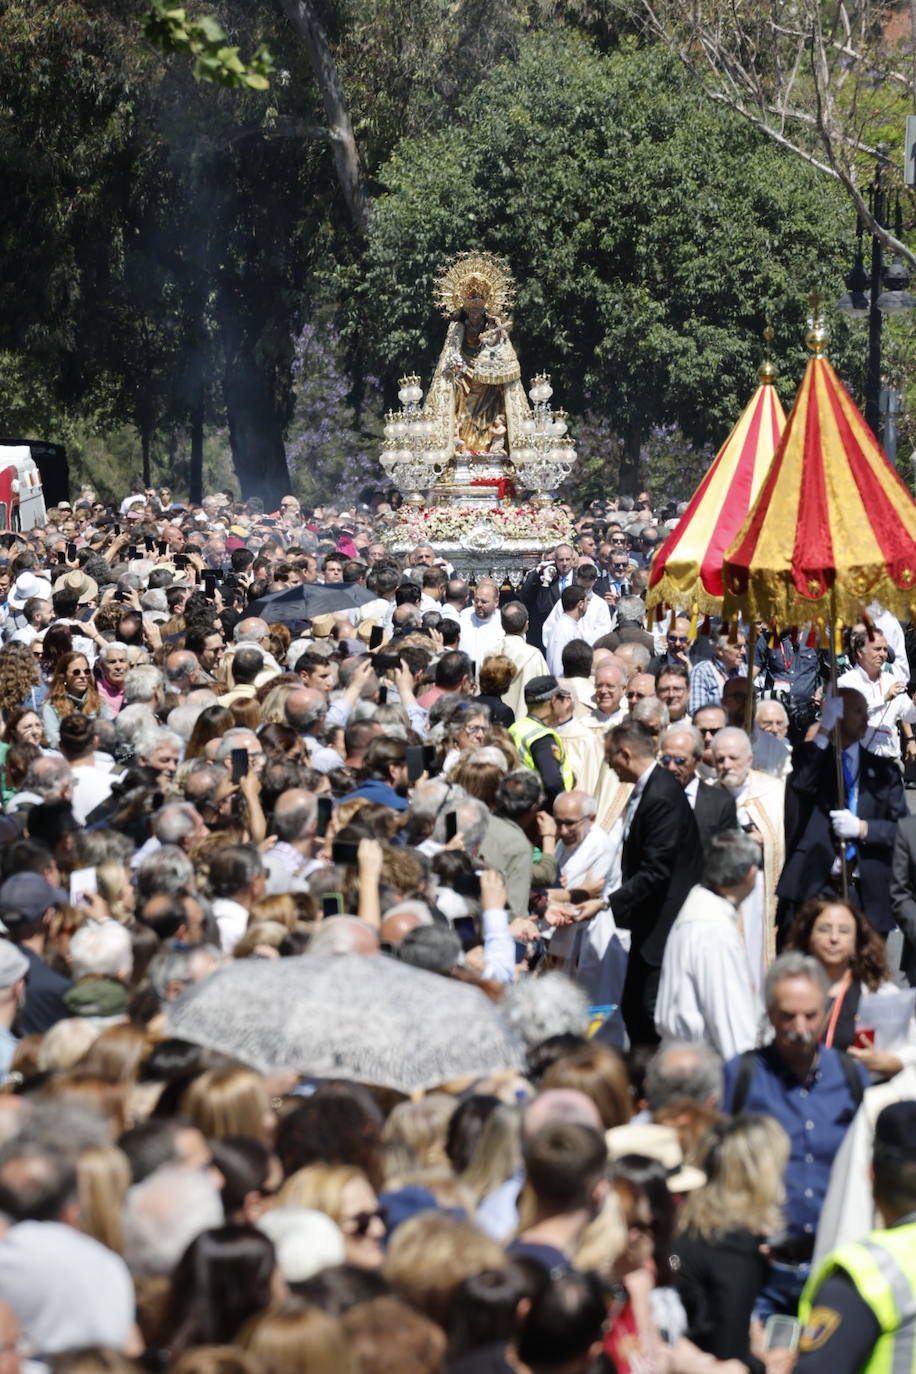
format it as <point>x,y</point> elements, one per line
<point>587,859</point>
<point>760,802</point>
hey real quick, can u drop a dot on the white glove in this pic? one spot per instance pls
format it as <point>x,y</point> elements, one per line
<point>846,826</point>
<point>831,712</point>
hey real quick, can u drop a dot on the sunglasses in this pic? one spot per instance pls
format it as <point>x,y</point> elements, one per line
<point>359,1224</point>
<point>678,639</point>
<point>77,672</point>
<point>677,759</point>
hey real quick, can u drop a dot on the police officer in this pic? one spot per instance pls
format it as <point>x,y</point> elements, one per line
<point>858,1312</point>
<point>539,746</point>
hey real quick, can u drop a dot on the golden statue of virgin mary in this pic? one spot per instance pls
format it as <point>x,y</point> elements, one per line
<point>476,388</point>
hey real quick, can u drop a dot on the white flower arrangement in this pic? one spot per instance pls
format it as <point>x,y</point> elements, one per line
<point>449,524</point>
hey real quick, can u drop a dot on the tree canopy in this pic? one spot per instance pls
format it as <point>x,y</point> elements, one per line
<point>168,240</point>
<point>651,235</point>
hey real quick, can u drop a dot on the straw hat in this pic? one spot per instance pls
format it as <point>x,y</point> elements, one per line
<point>660,1143</point>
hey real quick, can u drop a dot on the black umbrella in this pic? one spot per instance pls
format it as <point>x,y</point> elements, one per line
<point>308,600</point>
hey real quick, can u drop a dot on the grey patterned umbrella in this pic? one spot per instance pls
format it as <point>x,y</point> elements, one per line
<point>345,1016</point>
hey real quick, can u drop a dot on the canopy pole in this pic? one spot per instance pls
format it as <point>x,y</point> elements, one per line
<point>749,703</point>
<point>838,760</point>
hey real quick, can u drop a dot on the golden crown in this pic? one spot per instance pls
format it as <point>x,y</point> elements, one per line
<point>470,275</point>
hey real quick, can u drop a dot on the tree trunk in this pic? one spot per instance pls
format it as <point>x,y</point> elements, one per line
<point>196,475</point>
<point>145,443</point>
<point>630,478</point>
<point>302,16</point>
<point>255,430</point>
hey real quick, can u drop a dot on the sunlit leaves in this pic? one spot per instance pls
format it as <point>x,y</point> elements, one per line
<point>172,30</point>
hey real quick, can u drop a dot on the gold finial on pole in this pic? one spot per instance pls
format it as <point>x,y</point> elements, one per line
<point>817,335</point>
<point>766,372</point>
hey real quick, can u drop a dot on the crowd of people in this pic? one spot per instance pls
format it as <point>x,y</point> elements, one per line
<point>674,857</point>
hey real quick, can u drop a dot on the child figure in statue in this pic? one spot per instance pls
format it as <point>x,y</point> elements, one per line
<point>498,435</point>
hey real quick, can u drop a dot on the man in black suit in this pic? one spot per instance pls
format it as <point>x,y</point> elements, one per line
<point>661,861</point>
<point>817,826</point>
<point>713,808</point>
<point>903,893</point>
<point>542,588</point>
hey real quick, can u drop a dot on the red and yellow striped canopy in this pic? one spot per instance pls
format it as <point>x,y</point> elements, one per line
<point>687,570</point>
<point>833,526</point>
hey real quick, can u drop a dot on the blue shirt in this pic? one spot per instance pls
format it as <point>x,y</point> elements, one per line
<point>815,1116</point>
<point>374,790</point>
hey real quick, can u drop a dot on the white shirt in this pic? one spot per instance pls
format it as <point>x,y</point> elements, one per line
<point>232,919</point>
<point>706,991</point>
<point>639,787</point>
<point>883,716</point>
<point>479,637</point>
<point>595,622</point>
<point>91,786</point>
<point>557,636</point>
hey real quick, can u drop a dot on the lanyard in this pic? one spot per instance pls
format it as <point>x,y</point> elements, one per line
<point>837,1008</point>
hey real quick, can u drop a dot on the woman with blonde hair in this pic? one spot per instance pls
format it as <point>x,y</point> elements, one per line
<point>345,1194</point>
<point>431,1254</point>
<point>722,1228</point>
<point>229,1101</point>
<point>207,1359</point>
<point>299,1339</point>
<point>103,1178</point>
<point>117,1053</point>
<point>284,908</point>
<point>496,1156</point>
<point>116,889</point>
<point>273,701</point>
<point>414,1137</point>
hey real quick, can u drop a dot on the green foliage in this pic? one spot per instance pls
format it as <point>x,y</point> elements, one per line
<point>171,30</point>
<point>651,235</point>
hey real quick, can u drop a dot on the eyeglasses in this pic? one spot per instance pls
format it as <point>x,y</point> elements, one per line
<point>566,825</point>
<point>359,1224</point>
<point>474,729</point>
<point>678,759</point>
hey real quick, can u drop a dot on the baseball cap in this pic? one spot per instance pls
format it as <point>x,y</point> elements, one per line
<point>541,689</point>
<point>26,897</point>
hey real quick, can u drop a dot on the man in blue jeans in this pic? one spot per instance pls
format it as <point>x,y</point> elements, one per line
<point>813,1092</point>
